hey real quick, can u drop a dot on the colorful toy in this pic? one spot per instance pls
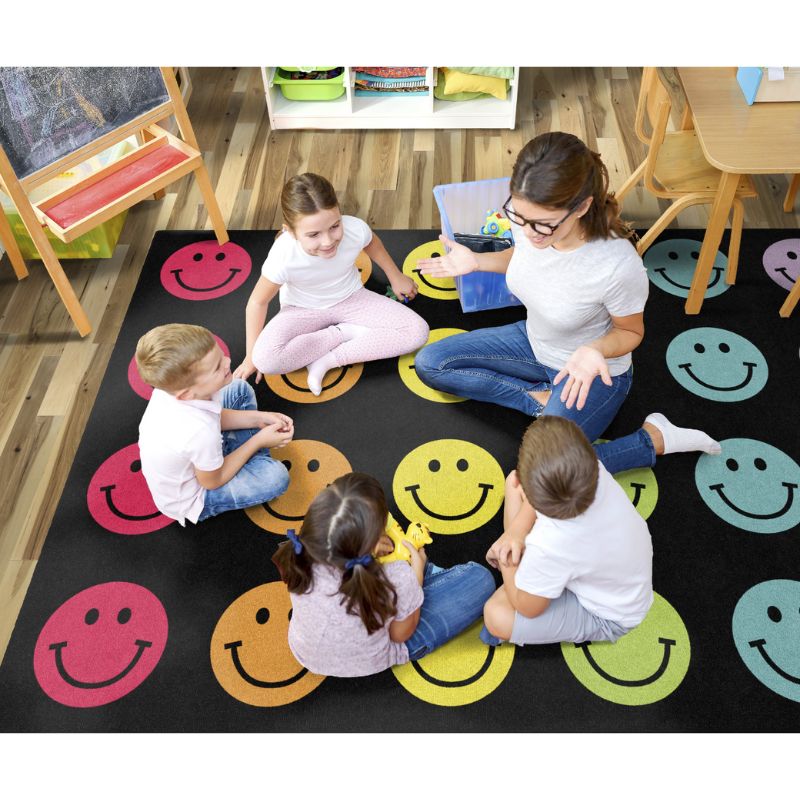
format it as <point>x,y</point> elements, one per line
<point>392,296</point>
<point>417,533</point>
<point>496,225</point>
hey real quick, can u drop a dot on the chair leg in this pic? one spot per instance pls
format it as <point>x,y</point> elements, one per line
<point>737,221</point>
<point>658,226</point>
<point>791,301</point>
<point>634,178</point>
<point>788,203</point>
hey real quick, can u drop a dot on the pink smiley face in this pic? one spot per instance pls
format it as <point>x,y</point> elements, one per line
<point>204,270</point>
<point>144,389</point>
<point>118,497</point>
<point>100,645</point>
<point>782,262</point>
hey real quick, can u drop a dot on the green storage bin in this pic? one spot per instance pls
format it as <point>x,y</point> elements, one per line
<point>312,89</point>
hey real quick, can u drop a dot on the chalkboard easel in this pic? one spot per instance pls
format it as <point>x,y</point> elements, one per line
<point>53,119</point>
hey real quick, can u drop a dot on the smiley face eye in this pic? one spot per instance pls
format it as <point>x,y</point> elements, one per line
<point>286,463</point>
<point>724,348</point>
<point>220,256</point>
<point>136,466</point>
<point>672,255</point>
<point>434,465</point>
<point>732,464</point>
<point>313,465</point>
<point>462,464</point>
<point>760,464</point>
<point>695,254</point>
<point>92,615</point>
<point>774,613</point>
<point>791,254</point>
<point>124,616</point>
<point>290,614</point>
<point>262,615</point>
<point>698,348</point>
<point>197,257</point>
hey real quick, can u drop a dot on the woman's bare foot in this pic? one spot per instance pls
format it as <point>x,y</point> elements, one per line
<point>541,397</point>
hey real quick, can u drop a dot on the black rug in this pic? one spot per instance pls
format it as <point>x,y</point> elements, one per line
<point>135,624</point>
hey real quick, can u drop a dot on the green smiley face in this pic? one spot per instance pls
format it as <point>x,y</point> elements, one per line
<point>644,666</point>
<point>640,485</point>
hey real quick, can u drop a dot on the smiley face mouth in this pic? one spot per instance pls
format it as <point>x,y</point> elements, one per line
<point>65,676</point>
<point>760,645</point>
<point>284,517</point>
<point>638,489</point>
<point>785,273</point>
<point>716,270</point>
<point>107,490</point>
<point>433,285</point>
<point>662,667</point>
<point>234,648</point>
<point>233,272</point>
<point>487,662</point>
<point>486,487</point>
<point>750,367</point>
<point>718,487</point>
<point>297,388</point>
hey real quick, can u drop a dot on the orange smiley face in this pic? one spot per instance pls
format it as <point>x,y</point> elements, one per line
<point>294,385</point>
<point>250,652</point>
<point>312,466</point>
<point>364,266</point>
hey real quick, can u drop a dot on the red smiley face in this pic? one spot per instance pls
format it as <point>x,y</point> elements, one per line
<point>204,270</point>
<point>144,389</point>
<point>100,644</point>
<point>118,497</point>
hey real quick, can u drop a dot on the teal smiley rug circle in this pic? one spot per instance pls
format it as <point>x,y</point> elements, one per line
<point>134,623</point>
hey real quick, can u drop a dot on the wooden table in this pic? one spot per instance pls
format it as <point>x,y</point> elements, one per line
<point>738,140</point>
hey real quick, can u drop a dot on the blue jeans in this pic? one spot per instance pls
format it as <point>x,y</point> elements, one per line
<point>454,599</point>
<point>261,479</point>
<point>498,365</point>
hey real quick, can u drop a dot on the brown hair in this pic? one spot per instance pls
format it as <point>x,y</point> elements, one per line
<point>557,170</point>
<point>344,521</point>
<point>167,356</point>
<point>557,468</point>
<point>306,194</point>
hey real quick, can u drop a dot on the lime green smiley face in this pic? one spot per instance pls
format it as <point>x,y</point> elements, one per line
<point>640,485</point>
<point>644,666</point>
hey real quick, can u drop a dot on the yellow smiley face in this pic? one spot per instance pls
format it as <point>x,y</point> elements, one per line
<point>405,365</point>
<point>438,288</point>
<point>451,485</point>
<point>462,671</point>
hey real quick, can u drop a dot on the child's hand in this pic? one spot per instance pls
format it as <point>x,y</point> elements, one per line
<point>404,288</point>
<point>274,435</point>
<point>507,550</point>
<point>246,369</point>
<point>271,417</point>
<point>384,547</point>
<point>459,261</point>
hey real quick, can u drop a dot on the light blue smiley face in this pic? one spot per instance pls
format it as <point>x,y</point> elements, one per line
<point>751,485</point>
<point>670,266</point>
<point>717,364</point>
<point>766,631</point>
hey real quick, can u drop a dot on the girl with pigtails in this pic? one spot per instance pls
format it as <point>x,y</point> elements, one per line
<point>352,615</point>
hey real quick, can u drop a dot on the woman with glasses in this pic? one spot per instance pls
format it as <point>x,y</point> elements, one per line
<point>584,286</point>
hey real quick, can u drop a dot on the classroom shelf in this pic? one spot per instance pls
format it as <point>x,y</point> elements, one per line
<point>403,111</point>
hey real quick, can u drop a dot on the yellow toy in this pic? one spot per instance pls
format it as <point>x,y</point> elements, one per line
<point>496,225</point>
<point>417,533</point>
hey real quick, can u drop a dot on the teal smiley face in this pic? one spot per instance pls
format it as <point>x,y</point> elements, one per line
<point>766,631</point>
<point>670,266</point>
<point>751,485</point>
<point>717,364</point>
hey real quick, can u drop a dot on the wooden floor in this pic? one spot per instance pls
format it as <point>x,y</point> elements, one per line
<point>49,376</point>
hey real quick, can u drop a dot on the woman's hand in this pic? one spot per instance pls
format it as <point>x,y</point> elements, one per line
<point>459,261</point>
<point>583,366</point>
<point>403,287</point>
<point>246,369</point>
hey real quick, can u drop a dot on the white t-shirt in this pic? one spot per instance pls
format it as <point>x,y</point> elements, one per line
<point>603,556</point>
<point>175,436</point>
<point>314,282</point>
<point>571,297</point>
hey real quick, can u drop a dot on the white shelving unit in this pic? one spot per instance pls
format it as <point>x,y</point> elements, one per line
<point>401,111</point>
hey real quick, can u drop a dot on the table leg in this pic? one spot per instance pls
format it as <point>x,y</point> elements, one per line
<point>720,209</point>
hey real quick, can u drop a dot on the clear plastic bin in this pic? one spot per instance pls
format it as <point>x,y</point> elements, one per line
<point>463,208</point>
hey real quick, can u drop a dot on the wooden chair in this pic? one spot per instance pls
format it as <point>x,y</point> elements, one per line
<point>675,168</point>
<point>788,202</point>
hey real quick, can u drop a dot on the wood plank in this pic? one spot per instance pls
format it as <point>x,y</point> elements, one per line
<point>15,578</point>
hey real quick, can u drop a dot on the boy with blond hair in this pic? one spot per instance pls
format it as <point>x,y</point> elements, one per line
<point>576,557</point>
<point>204,444</point>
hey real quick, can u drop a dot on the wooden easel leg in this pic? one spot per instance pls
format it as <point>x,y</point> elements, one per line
<point>145,136</point>
<point>210,199</point>
<point>11,247</point>
<point>720,209</point>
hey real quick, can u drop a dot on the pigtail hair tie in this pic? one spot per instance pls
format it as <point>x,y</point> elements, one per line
<point>295,540</point>
<point>362,560</point>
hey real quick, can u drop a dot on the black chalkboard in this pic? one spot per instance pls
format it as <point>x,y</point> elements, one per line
<point>47,113</point>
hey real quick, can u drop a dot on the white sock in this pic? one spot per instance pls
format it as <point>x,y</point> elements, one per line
<point>317,370</point>
<point>350,330</point>
<point>683,440</point>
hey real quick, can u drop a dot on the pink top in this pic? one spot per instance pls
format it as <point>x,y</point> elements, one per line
<point>327,640</point>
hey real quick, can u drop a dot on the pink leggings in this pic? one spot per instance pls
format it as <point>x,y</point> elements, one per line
<point>297,336</point>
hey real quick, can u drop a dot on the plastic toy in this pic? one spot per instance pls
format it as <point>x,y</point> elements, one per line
<point>417,533</point>
<point>392,296</point>
<point>496,225</point>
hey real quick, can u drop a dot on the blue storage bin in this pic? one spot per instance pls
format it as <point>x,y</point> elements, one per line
<point>463,207</point>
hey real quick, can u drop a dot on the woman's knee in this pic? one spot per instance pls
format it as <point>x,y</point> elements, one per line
<point>419,331</point>
<point>428,362</point>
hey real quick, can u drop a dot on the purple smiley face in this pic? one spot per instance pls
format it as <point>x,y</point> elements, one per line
<point>782,262</point>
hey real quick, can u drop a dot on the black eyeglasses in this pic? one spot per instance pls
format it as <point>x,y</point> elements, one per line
<point>542,228</point>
